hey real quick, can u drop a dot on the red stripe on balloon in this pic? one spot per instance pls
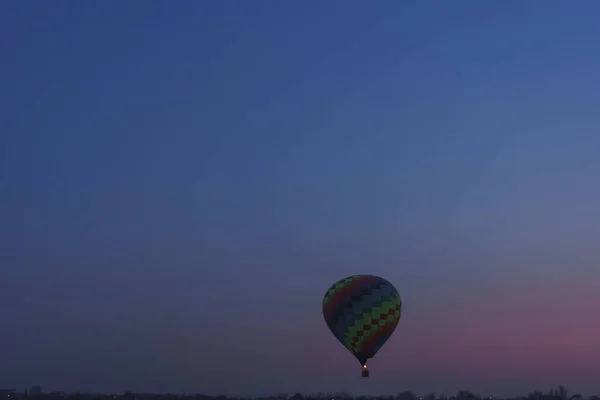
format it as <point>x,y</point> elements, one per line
<point>344,291</point>
<point>374,336</point>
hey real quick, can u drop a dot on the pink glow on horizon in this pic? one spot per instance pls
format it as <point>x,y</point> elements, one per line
<point>542,329</point>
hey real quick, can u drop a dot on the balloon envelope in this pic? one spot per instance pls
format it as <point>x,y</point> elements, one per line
<point>362,312</point>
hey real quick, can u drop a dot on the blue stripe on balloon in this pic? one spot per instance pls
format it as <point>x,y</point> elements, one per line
<point>354,310</point>
<point>340,309</point>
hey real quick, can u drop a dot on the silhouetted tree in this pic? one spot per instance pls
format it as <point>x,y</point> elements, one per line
<point>466,395</point>
<point>75,396</point>
<point>562,392</point>
<point>406,396</point>
<point>535,395</point>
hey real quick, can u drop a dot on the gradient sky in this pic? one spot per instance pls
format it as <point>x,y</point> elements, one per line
<point>180,182</point>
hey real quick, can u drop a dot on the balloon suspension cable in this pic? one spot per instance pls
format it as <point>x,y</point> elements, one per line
<point>365,371</point>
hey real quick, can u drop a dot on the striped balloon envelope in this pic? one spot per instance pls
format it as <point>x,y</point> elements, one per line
<point>362,312</point>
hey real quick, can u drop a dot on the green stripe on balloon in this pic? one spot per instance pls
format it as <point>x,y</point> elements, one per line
<point>366,318</point>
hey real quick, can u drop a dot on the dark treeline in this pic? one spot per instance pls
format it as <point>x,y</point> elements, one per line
<point>559,393</point>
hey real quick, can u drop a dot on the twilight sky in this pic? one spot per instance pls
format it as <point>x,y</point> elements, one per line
<point>180,182</point>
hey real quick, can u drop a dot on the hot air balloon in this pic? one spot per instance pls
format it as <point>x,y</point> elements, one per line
<point>362,312</point>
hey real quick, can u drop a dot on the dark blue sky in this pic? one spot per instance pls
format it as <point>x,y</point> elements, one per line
<point>180,182</point>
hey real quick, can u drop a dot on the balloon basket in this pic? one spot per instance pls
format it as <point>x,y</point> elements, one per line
<point>365,373</point>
